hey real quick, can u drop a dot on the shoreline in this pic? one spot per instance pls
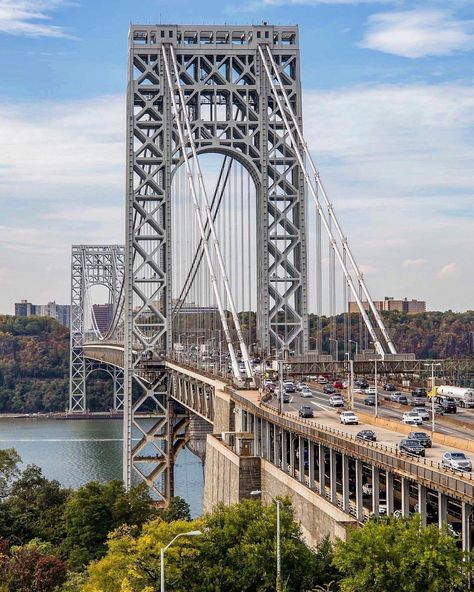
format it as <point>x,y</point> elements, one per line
<point>62,415</point>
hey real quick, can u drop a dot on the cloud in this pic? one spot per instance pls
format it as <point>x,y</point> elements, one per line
<point>259,4</point>
<point>418,33</point>
<point>70,149</point>
<point>413,262</point>
<point>446,271</point>
<point>20,17</point>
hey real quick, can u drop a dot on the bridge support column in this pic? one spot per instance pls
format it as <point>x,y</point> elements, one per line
<point>310,464</point>
<point>292,455</point>
<point>422,503</point>
<point>284,451</point>
<point>345,483</point>
<point>332,475</point>
<point>322,477</point>
<point>405,498</point>
<point>442,509</point>
<point>389,492</point>
<point>119,388</point>
<point>375,490</point>
<point>466,517</point>
<point>276,446</point>
<point>359,492</point>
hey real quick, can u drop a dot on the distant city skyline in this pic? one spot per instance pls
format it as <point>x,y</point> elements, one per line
<point>388,114</point>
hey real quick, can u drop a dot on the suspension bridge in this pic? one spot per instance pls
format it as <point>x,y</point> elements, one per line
<point>230,236</point>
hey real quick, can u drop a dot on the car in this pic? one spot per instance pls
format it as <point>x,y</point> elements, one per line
<point>448,404</point>
<point>337,384</point>
<point>401,399</point>
<point>336,401</point>
<point>367,489</point>
<point>438,409</point>
<point>411,447</point>
<point>289,387</point>
<point>363,384</point>
<point>306,393</point>
<point>321,380</point>
<point>421,437</point>
<point>419,392</point>
<point>457,461</point>
<point>367,435</point>
<point>412,418</point>
<point>328,389</point>
<point>371,390</point>
<point>305,411</point>
<point>417,401</point>
<point>422,412</point>
<point>359,391</point>
<point>286,398</point>
<point>348,417</point>
<point>388,386</point>
<point>301,385</point>
<point>369,400</point>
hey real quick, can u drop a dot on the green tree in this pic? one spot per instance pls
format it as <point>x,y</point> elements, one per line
<point>398,554</point>
<point>96,509</point>
<point>9,460</point>
<point>178,509</point>
<point>235,553</point>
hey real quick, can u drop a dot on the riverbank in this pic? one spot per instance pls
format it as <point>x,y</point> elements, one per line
<point>63,415</point>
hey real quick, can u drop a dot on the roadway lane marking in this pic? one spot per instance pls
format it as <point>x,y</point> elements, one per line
<point>321,406</point>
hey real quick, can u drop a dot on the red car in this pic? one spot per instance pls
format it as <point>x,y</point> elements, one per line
<point>338,384</point>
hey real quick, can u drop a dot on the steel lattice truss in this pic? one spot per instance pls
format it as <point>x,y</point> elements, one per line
<point>231,109</point>
<point>92,265</point>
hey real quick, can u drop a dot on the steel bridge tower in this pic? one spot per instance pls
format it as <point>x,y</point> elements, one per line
<point>92,265</point>
<point>218,72</point>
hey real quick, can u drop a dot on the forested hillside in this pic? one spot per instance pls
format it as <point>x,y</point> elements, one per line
<point>429,334</point>
<point>34,355</point>
<point>34,367</point>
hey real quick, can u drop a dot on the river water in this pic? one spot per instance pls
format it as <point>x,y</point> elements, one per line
<point>77,451</point>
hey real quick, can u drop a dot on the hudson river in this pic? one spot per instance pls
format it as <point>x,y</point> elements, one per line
<point>77,451</point>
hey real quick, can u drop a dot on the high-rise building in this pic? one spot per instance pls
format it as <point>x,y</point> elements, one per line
<point>60,312</point>
<point>103,316</point>
<point>389,303</point>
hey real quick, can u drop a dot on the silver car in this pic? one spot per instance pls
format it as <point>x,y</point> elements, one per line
<point>422,412</point>
<point>457,461</point>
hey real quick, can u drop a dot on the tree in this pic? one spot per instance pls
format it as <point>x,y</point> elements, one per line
<point>28,570</point>
<point>177,509</point>
<point>235,553</point>
<point>9,460</point>
<point>96,509</point>
<point>399,554</point>
<point>33,509</point>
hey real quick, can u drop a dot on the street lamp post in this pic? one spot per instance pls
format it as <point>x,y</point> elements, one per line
<point>356,344</point>
<point>162,554</point>
<point>259,492</point>
<point>351,380</point>
<point>337,347</point>
<point>432,364</point>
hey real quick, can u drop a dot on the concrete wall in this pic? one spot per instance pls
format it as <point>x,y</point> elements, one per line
<point>228,477</point>
<point>318,517</point>
<point>223,412</point>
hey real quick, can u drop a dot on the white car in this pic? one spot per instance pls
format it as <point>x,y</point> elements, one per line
<point>422,412</point>
<point>349,417</point>
<point>371,390</point>
<point>321,380</point>
<point>457,461</point>
<point>412,418</point>
<point>306,393</point>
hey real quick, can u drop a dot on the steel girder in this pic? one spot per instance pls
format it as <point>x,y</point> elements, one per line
<point>91,265</point>
<point>232,111</point>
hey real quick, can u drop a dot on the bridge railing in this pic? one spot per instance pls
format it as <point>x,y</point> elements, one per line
<point>430,472</point>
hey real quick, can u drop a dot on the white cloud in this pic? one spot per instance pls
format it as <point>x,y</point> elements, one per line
<point>68,150</point>
<point>261,4</point>
<point>446,271</point>
<point>413,262</point>
<point>418,33</point>
<point>397,164</point>
<point>30,18</point>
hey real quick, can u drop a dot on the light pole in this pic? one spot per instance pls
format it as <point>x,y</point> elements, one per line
<point>337,347</point>
<point>259,492</point>
<point>162,554</point>
<point>351,380</point>
<point>356,344</point>
<point>432,364</point>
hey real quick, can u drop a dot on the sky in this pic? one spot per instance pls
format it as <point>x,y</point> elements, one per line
<point>388,99</point>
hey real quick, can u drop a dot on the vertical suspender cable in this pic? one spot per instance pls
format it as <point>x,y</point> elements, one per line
<point>313,192</point>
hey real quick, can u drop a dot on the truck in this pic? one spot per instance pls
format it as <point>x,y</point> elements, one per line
<point>463,396</point>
